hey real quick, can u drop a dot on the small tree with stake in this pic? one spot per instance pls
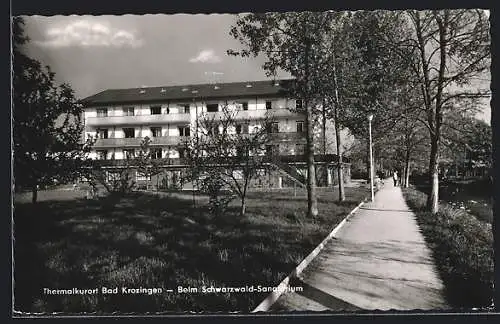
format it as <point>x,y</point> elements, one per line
<point>227,154</point>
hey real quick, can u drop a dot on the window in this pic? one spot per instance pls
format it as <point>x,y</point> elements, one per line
<point>156,110</point>
<point>244,105</point>
<point>300,126</point>
<point>113,176</point>
<point>139,176</point>
<point>298,103</point>
<point>156,153</point>
<point>269,105</point>
<point>184,131</point>
<point>129,153</point>
<point>238,174</point>
<point>102,112</point>
<point>128,111</point>
<point>186,109</point>
<point>242,151</point>
<point>156,131</point>
<point>300,149</point>
<point>269,150</point>
<point>167,111</point>
<point>272,149</point>
<point>182,152</point>
<point>102,154</point>
<point>129,132</point>
<point>212,107</point>
<point>242,129</point>
<point>274,128</point>
<point>102,133</point>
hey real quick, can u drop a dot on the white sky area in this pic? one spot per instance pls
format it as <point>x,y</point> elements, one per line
<point>95,53</point>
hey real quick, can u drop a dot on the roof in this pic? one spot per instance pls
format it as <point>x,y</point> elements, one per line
<point>190,92</point>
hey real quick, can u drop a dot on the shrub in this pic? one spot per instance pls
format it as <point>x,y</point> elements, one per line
<point>463,250</point>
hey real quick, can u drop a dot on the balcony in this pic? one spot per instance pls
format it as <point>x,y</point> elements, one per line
<point>181,162</point>
<point>299,138</point>
<point>136,142</point>
<point>136,120</point>
<point>166,162</point>
<point>259,114</point>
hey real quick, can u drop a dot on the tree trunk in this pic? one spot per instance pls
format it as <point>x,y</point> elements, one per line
<point>433,200</point>
<point>243,196</point>
<point>34,192</point>
<point>339,154</point>
<point>407,170</point>
<point>243,207</point>
<point>407,174</point>
<point>433,197</point>
<point>325,169</point>
<point>312,203</point>
<point>338,140</point>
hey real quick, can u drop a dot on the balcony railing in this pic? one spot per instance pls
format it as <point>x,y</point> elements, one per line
<point>295,159</point>
<point>300,137</point>
<point>142,119</point>
<point>133,162</point>
<point>136,141</point>
<point>258,114</point>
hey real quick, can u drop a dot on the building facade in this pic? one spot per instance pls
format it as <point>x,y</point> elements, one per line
<point>119,119</point>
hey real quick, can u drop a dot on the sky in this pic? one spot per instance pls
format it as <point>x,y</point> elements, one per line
<point>95,53</point>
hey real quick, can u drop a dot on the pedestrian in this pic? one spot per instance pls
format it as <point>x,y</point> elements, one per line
<point>395,178</point>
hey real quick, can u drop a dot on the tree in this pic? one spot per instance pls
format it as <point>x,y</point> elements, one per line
<point>118,181</point>
<point>228,153</point>
<point>291,42</point>
<point>452,47</point>
<point>147,163</point>
<point>467,141</point>
<point>47,123</point>
<point>362,77</point>
<point>330,91</point>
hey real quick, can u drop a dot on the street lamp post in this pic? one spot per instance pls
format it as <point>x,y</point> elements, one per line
<point>370,117</point>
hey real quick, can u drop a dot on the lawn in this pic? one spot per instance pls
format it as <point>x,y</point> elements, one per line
<point>165,241</point>
<point>462,247</point>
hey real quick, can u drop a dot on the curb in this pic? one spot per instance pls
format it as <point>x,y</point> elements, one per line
<point>280,289</point>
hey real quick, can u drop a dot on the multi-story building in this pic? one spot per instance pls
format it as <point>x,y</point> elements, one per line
<point>121,118</point>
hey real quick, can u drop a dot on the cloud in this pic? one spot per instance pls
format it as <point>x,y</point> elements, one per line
<point>86,33</point>
<point>205,56</point>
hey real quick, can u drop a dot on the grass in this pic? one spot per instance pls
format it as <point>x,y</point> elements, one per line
<point>162,242</point>
<point>462,247</point>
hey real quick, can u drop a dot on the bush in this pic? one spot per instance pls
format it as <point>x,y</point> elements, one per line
<point>463,250</point>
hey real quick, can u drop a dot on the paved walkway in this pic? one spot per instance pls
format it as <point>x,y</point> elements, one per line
<point>378,260</point>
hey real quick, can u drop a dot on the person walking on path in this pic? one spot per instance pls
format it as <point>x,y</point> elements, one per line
<point>395,178</point>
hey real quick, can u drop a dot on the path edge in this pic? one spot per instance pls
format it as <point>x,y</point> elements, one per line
<point>281,288</point>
